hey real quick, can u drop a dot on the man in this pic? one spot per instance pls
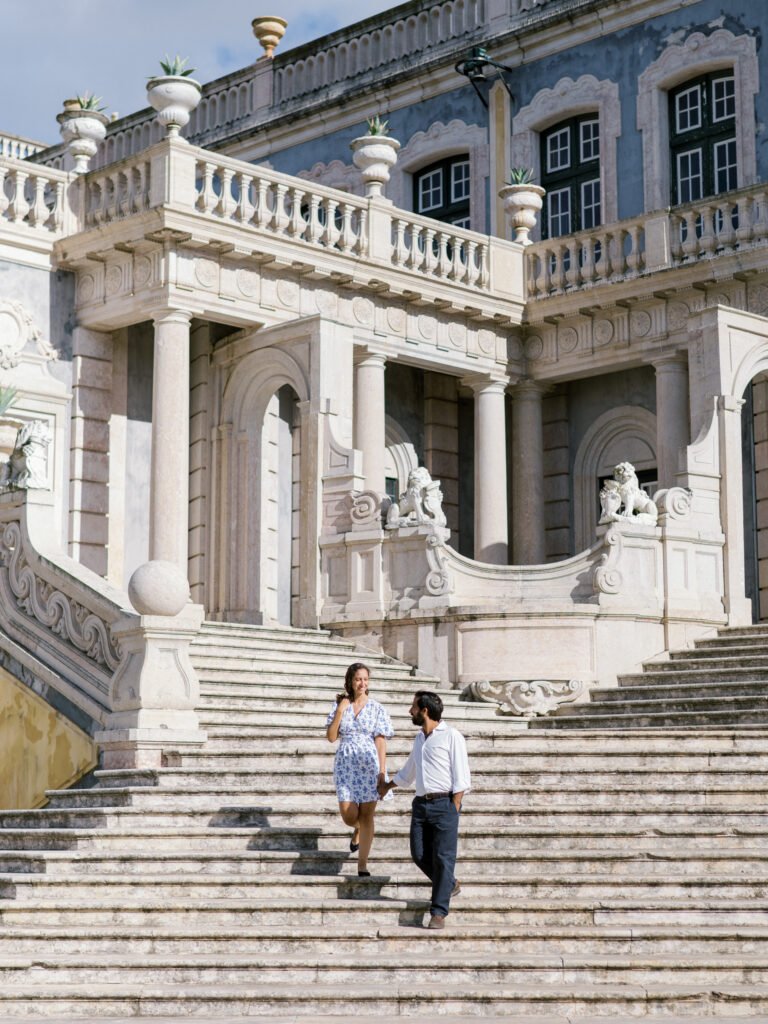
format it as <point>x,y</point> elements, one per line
<point>438,764</point>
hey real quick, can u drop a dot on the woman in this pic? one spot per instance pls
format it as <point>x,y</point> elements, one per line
<point>363,726</point>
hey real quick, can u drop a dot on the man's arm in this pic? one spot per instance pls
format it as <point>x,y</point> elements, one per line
<point>404,777</point>
<point>460,778</point>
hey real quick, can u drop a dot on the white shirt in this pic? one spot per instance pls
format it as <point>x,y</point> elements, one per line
<point>438,763</point>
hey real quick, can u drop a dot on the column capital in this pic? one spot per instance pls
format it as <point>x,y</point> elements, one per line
<point>529,389</point>
<point>169,315</point>
<point>673,362</point>
<point>369,357</point>
<point>483,383</point>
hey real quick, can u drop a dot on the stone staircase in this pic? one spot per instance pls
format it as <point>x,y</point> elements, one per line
<point>604,878</point>
<point>721,683</point>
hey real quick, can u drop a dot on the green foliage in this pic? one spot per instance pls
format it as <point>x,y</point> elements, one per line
<point>7,398</point>
<point>89,102</point>
<point>176,66</point>
<point>520,175</point>
<point>376,126</point>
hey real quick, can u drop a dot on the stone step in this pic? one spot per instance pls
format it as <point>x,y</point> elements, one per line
<point>239,690</point>
<point>684,695</point>
<point>327,666</point>
<point>312,713</point>
<point>712,657</point>
<point>544,1004</point>
<point>448,1017</point>
<point>306,797</point>
<point>634,715</point>
<point>725,643</point>
<point>369,940</point>
<point>759,629</point>
<point>391,838</point>
<point>385,969</point>
<point>478,889</point>
<point>679,672</point>
<point>474,864</point>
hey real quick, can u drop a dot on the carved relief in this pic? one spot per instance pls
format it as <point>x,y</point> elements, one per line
<point>439,581</point>
<point>397,319</point>
<point>247,282</point>
<point>607,578</point>
<point>677,316</point>
<point>27,466</point>
<point>52,609</point>
<point>17,328</point>
<point>640,323</point>
<point>457,335</point>
<point>421,502</point>
<point>86,286</point>
<point>206,272</point>
<point>567,340</point>
<point>534,348</point>
<point>365,508</point>
<point>526,699</point>
<point>427,327</point>
<point>602,332</point>
<point>142,271</point>
<point>113,279</point>
<point>362,309</point>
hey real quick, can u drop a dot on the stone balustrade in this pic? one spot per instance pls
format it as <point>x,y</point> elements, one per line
<point>32,198</point>
<point>16,148</point>
<point>643,245</point>
<point>436,250</point>
<point>117,191</point>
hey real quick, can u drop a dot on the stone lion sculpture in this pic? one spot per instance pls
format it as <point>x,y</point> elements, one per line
<point>27,464</point>
<point>421,502</point>
<point>623,498</point>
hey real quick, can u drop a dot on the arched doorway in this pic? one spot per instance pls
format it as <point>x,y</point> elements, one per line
<point>754,437</point>
<point>280,507</point>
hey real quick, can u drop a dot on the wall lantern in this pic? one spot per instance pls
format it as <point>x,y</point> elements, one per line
<point>482,71</point>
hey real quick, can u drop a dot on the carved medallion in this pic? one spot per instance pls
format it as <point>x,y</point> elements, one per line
<point>567,340</point>
<point>758,299</point>
<point>397,319</point>
<point>514,349</point>
<point>327,303</point>
<point>603,332</point>
<point>206,272</point>
<point>288,293</point>
<point>247,282</point>
<point>486,342</point>
<point>427,326</point>
<point>640,323</point>
<point>17,328</point>
<point>534,347</point>
<point>677,316</point>
<point>457,335</point>
<point>142,271</point>
<point>362,310</point>
<point>86,286</point>
<point>113,279</point>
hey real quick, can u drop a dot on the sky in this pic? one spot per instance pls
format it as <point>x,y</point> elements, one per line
<point>54,49</point>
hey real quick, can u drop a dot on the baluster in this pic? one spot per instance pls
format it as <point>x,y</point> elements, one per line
<point>457,263</point>
<point>708,228</point>
<point>261,211</point>
<point>676,237</point>
<point>532,268</point>
<point>347,240</point>
<point>3,197</point>
<point>362,239</point>
<point>690,242</point>
<point>472,269</point>
<point>298,225</point>
<point>558,270</point>
<point>39,211</point>
<point>114,212</point>
<point>544,280</point>
<point>56,213</point>
<point>243,208</point>
<point>746,210</point>
<point>726,236</point>
<point>430,257</point>
<point>588,260</point>
<point>415,246</point>
<point>573,271</point>
<point>331,234</point>
<point>400,252</point>
<point>444,261</point>
<point>226,203</point>
<point>315,227</point>
<point>635,257</point>
<point>485,270</point>
<point>207,197</point>
<point>603,265</point>
<point>19,205</point>
<point>617,255</point>
<point>279,216</point>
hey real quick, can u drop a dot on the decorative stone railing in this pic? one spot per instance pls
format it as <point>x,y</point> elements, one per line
<point>643,245</point>
<point>33,199</point>
<point>123,677</point>
<point>302,219</point>
<point>15,148</point>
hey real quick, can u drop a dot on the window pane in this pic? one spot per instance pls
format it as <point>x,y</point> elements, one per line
<point>430,191</point>
<point>559,150</point>
<point>689,176</point>
<point>589,132</point>
<point>725,165</point>
<point>723,99</point>
<point>462,222</point>
<point>459,181</point>
<point>590,203</point>
<point>688,109</point>
<point>559,212</point>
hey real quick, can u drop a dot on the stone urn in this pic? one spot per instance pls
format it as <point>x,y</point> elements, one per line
<point>83,131</point>
<point>269,31</point>
<point>374,156</point>
<point>174,97</point>
<point>521,204</point>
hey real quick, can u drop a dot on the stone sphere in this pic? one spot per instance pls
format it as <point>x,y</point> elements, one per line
<point>158,588</point>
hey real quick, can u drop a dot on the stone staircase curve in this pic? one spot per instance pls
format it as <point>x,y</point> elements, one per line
<point>604,878</point>
<point>721,683</point>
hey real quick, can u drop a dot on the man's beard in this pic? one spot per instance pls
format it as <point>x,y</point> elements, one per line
<point>418,718</point>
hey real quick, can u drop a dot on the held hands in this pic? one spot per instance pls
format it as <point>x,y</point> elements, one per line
<point>382,786</point>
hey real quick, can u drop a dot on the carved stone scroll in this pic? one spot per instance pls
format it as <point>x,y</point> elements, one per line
<point>524,698</point>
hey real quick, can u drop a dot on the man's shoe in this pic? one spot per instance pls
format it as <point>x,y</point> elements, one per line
<point>436,922</point>
<point>456,888</point>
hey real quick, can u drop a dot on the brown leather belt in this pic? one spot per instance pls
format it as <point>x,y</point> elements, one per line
<point>436,796</point>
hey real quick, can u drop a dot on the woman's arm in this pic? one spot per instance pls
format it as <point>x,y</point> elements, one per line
<point>381,749</point>
<point>332,732</point>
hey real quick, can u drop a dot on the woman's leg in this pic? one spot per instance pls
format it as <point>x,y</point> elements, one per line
<point>350,813</point>
<point>365,822</point>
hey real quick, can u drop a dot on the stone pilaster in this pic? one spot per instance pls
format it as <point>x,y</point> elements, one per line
<point>491,539</point>
<point>369,425</point>
<point>672,416</point>
<point>199,456</point>
<point>528,542</point>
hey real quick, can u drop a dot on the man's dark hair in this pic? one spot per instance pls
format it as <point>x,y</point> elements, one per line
<point>428,701</point>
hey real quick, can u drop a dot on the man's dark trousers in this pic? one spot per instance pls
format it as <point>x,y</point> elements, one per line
<point>434,841</point>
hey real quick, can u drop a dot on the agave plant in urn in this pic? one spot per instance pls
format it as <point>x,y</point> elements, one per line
<point>174,95</point>
<point>83,125</point>
<point>374,155</point>
<point>522,201</point>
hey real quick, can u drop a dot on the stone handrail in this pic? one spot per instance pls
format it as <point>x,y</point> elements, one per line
<point>655,241</point>
<point>16,148</point>
<point>32,198</point>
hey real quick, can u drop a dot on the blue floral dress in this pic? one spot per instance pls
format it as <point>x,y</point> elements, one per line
<point>356,767</point>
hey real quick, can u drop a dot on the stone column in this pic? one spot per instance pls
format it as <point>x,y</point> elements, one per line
<point>169,490</point>
<point>490,470</point>
<point>369,427</point>
<point>528,547</point>
<point>672,416</point>
<point>738,606</point>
